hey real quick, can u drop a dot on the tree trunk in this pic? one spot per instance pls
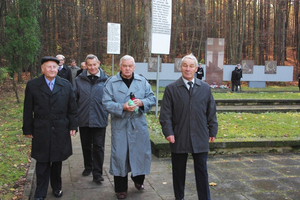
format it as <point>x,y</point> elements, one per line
<point>15,89</point>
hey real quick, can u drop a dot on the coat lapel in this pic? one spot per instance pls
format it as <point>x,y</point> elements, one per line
<point>58,85</point>
<point>42,85</point>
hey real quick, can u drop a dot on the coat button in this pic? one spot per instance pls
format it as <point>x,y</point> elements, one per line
<point>52,127</point>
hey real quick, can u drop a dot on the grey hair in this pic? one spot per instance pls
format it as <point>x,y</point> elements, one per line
<point>127,57</point>
<point>91,56</point>
<point>60,55</point>
<point>190,56</point>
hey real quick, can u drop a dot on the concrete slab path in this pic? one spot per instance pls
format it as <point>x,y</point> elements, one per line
<point>238,177</point>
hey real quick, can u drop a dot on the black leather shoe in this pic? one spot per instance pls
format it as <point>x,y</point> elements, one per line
<point>121,195</point>
<point>57,193</point>
<point>98,179</point>
<point>39,198</point>
<point>86,172</point>
<point>139,186</point>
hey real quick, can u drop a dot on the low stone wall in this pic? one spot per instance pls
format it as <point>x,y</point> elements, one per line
<point>229,146</point>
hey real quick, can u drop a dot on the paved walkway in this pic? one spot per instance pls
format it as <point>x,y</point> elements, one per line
<point>238,177</point>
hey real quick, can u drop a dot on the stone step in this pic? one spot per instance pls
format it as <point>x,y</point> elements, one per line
<point>250,102</point>
<point>252,109</point>
<point>259,109</point>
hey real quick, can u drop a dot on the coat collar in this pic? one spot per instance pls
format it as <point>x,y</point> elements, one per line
<point>133,87</point>
<point>42,85</point>
<point>197,84</point>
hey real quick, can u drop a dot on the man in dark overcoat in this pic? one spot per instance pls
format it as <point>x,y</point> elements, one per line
<point>235,79</point>
<point>50,119</point>
<point>92,118</point>
<point>63,70</point>
<point>200,72</point>
<point>189,122</point>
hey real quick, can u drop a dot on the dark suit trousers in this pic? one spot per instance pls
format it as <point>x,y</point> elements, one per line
<point>44,172</point>
<point>121,183</point>
<point>92,144</point>
<point>201,175</point>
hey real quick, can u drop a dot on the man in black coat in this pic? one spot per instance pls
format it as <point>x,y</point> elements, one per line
<point>189,122</point>
<point>63,70</point>
<point>49,119</point>
<point>200,72</point>
<point>240,71</point>
<point>235,79</point>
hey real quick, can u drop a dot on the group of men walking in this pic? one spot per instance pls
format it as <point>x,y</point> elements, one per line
<point>60,101</point>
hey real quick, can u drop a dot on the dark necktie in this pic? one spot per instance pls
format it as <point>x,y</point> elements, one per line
<point>191,87</point>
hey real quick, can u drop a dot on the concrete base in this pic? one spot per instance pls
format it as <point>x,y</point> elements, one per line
<point>256,84</point>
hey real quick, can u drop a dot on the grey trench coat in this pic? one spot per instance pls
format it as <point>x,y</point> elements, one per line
<point>130,143</point>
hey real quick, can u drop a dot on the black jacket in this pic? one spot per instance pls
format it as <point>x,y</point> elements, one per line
<point>65,73</point>
<point>200,73</point>
<point>49,117</point>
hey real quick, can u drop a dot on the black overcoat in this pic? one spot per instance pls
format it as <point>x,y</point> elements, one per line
<point>66,73</point>
<point>191,119</point>
<point>49,117</point>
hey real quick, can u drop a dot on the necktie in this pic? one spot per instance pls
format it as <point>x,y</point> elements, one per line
<point>191,87</point>
<point>59,68</point>
<point>51,85</point>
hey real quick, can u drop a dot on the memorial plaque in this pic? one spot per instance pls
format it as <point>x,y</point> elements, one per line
<point>152,64</point>
<point>177,67</point>
<point>270,67</point>
<point>247,66</point>
<point>214,55</point>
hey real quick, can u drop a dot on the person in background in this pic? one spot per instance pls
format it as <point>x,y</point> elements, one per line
<point>74,70</point>
<point>63,70</point>
<point>200,72</point>
<point>240,71</point>
<point>235,79</point>
<point>49,119</point>
<point>130,143</point>
<point>189,122</point>
<point>92,118</point>
<point>82,67</point>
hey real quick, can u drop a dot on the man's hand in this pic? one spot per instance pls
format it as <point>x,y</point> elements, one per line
<point>29,136</point>
<point>72,132</point>
<point>171,139</point>
<point>138,102</point>
<point>128,107</point>
<point>212,139</point>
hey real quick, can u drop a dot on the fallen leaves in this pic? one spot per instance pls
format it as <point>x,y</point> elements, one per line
<point>212,184</point>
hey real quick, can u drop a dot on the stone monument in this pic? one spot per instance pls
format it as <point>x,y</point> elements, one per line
<point>214,59</point>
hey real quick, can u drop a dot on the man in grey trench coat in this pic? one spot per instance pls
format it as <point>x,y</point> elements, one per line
<point>130,148</point>
<point>50,119</point>
<point>189,122</point>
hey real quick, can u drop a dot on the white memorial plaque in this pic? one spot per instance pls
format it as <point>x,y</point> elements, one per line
<point>113,38</point>
<point>161,26</point>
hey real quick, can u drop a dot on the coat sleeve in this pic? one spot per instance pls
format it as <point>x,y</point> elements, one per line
<point>149,100</point>
<point>28,112</point>
<point>70,76</point>
<point>72,110</point>
<point>109,103</point>
<point>212,123</point>
<point>165,117</point>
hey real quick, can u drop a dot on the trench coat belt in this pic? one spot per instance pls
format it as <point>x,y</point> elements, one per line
<point>49,117</point>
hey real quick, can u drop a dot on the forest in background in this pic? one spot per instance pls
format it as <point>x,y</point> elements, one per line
<point>258,30</point>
